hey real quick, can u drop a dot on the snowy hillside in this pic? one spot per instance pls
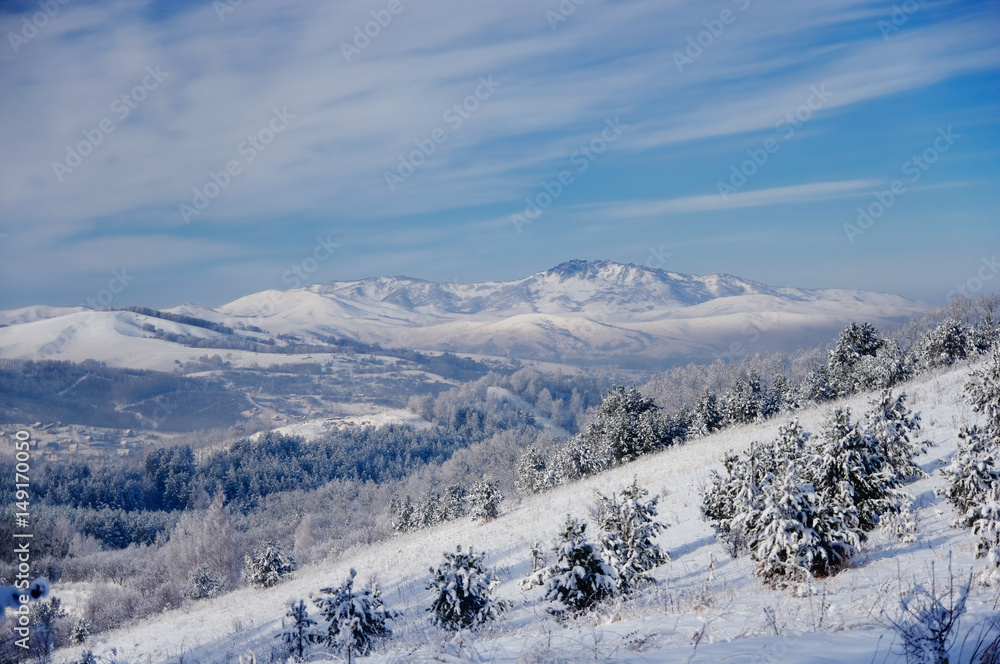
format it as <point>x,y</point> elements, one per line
<point>706,606</point>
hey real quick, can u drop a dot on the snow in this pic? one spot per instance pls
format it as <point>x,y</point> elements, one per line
<point>313,429</point>
<point>707,607</point>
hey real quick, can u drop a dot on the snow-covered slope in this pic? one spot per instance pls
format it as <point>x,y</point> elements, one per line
<point>703,597</point>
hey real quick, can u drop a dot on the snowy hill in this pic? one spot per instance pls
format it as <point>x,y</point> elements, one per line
<point>706,607</point>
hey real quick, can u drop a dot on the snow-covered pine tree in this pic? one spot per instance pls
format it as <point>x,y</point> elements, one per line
<point>983,389</point>
<point>797,536</point>
<point>626,426</point>
<point>576,459</point>
<point>707,417</point>
<point>267,566</point>
<point>629,526</point>
<point>452,503</point>
<point>818,386</point>
<point>404,519</point>
<point>894,429</point>
<point>427,512</point>
<point>847,468</point>
<point>463,589</point>
<point>742,401</point>
<point>354,619</point>
<point>974,470</point>
<point>298,633</point>
<point>579,578</point>
<point>204,582</point>
<point>857,341</point>
<point>533,472</point>
<point>946,344</point>
<point>485,498</point>
<point>81,632</point>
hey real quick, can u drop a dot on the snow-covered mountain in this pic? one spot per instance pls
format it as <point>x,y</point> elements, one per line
<point>579,311</point>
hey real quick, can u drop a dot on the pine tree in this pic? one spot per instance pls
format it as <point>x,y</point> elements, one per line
<point>579,578</point>
<point>974,469</point>
<point>267,566</point>
<point>463,590</point>
<point>81,632</point>
<point>894,428</point>
<point>354,619</point>
<point>707,417</point>
<point>797,536</point>
<point>533,472</point>
<point>204,582</point>
<point>847,469</point>
<point>576,459</point>
<point>629,526</point>
<point>742,402</point>
<point>452,503</point>
<point>856,342</point>
<point>946,344</point>
<point>984,391</point>
<point>625,427</point>
<point>485,499</point>
<point>299,634</point>
<point>404,518</point>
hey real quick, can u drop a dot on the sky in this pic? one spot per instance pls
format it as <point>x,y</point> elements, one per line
<point>195,151</point>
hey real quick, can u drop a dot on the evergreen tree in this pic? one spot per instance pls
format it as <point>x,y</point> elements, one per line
<point>267,566</point>
<point>894,428</point>
<point>848,469</point>
<point>625,427</point>
<point>974,470</point>
<point>298,634</point>
<point>743,401</point>
<point>984,391</point>
<point>946,344</point>
<point>81,632</point>
<point>463,590</point>
<point>797,536</point>
<point>629,526</point>
<point>984,519</point>
<point>354,619</point>
<point>579,578</point>
<point>404,518</point>
<point>533,472</point>
<point>818,386</point>
<point>485,499</point>
<point>856,342</point>
<point>204,582</point>
<point>707,417</point>
<point>576,459</point>
<point>452,503</point>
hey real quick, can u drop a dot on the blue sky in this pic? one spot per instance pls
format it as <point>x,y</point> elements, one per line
<point>421,150</point>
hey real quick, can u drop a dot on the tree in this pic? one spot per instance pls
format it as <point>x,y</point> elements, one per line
<point>579,578</point>
<point>462,590</point>
<point>797,536</point>
<point>403,516</point>
<point>707,417</point>
<point>43,615</point>
<point>894,428</point>
<point>847,469</point>
<point>267,567</point>
<point>743,401</point>
<point>485,499</point>
<point>946,344</point>
<point>533,472</point>
<point>857,342</point>
<point>354,619</point>
<point>974,470</point>
<point>625,427</point>
<point>983,389</point>
<point>204,582</point>
<point>298,635</point>
<point>629,526</point>
<point>452,504</point>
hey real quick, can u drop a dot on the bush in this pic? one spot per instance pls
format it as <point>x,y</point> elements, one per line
<point>462,590</point>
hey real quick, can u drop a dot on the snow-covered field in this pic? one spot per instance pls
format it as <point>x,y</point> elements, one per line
<point>706,607</point>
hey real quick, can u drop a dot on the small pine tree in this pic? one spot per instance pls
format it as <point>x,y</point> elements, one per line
<point>985,521</point>
<point>204,582</point>
<point>485,499</point>
<point>625,426</point>
<point>403,516</point>
<point>44,615</point>
<point>707,417</point>
<point>267,566</point>
<point>452,503</point>
<point>946,344</point>
<point>974,469</point>
<point>579,578</point>
<point>81,632</point>
<point>629,526</point>
<point>533,472</point>
<point>298,635</point>
<point>984,391</point>
<point>743,401</point>
<point>463,590</point>
<point>856,342</point>
<point>354,619</point>
<point>894,427</point>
